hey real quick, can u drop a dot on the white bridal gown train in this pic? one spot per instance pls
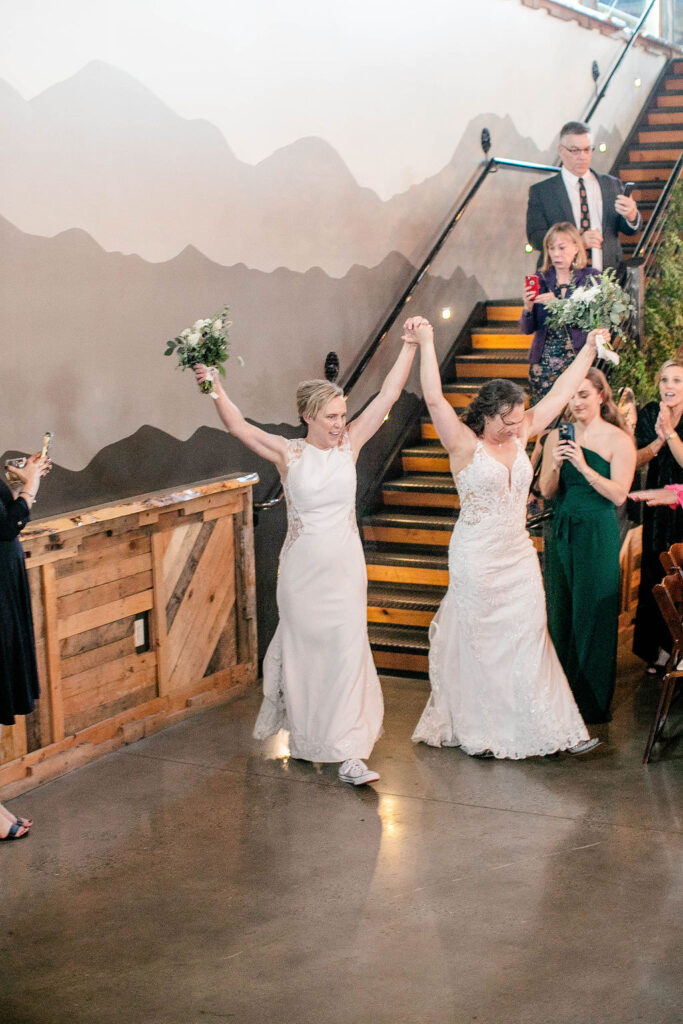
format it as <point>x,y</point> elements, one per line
<point>497,684</point>
<point>319,679</point>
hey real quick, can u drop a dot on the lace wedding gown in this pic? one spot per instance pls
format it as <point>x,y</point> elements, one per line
<point>319,679</point>
<point>497,683</point>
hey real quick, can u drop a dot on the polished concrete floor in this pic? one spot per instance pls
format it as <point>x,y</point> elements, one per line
<point>198,877</point>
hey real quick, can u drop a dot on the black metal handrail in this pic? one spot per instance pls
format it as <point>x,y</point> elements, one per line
<point>275,495</point>
<point>634,35</point>
<point>649,240</point>
<point>491,165</point>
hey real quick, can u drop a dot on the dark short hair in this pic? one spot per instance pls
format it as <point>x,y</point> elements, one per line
<point>575,128</point>
<point>496,398</point>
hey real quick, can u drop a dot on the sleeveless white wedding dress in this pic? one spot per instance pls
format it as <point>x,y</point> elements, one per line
<point>497,684</point>
<point>319,679</point>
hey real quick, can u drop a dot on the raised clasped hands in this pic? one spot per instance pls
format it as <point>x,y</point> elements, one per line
<point>417,331</point>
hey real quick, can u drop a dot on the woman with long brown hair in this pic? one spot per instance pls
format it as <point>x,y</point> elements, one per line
<point>587,477</point>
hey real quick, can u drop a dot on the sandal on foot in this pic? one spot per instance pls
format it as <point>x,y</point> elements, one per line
<point>14,833</point>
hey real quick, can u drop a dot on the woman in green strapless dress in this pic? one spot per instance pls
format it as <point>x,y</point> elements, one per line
<point>587,479</point>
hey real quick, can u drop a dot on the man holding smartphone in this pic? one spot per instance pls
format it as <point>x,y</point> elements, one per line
<point>598,204</point>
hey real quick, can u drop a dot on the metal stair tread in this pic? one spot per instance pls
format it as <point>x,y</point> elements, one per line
<point>498,355</point>
<point>422,482</point>
<point>497,327</point>
<point>402,637</point>
<point>399,595</point>
<point>410,521</point>
<point>407,560</point>
<point>428,450</point>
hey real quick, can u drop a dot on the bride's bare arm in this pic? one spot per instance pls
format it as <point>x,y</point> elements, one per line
<point>453,433</point>
<point>268,446</point>
<point>550,406</point>
<point>371,419</point>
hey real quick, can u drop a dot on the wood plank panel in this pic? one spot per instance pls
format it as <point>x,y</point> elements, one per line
<point>194,657</point>
<point>106,652</point>
<point>187,637</point>
<point>426,464</point>
<point>91,639</point>
<point>472,369</point>
<point>95,617</point>
<point>104,571</point>
<point>54,679</point>
<point>401,662</point>
<point>137,543</point>
<point>399,616</point>
<point>177,546</point>
<point>110,691</point>
<point>108,672</point>
<point>403,574</point>
<point>106,593</point>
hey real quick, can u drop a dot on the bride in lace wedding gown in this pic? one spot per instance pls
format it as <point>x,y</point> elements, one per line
<point>498,688</point>
<point>319,679</point>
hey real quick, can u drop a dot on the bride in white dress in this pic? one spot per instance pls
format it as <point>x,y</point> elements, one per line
<point>498,688</point>
<point>319,679</point>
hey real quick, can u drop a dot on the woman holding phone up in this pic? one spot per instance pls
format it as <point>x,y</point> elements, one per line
<point>563,269</point>
<point>587,469</point>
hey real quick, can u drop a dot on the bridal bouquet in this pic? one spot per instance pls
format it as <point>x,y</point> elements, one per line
<point>205,342</point>
<point>602,303</point>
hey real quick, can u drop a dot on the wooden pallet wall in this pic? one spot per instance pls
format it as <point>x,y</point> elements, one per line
<point>181,565</point>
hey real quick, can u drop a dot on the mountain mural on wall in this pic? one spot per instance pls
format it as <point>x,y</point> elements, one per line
<point>101,152</point>
<point>84,332</point>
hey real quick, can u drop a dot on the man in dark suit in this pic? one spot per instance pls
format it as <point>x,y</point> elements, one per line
<point>594,203</point>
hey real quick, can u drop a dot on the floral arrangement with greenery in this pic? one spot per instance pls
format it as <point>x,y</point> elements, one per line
<point>205,342</point>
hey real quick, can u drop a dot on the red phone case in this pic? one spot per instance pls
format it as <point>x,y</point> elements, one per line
<point>532,281</point>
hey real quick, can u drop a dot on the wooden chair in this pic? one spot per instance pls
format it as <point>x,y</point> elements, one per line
<point>669,597</point>
<point>676,555</point>
<point>668,564</point>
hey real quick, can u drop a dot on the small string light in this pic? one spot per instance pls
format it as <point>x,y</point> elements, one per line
<point>528,248</point>
<point>637,82</point>
<point>603,147</point>
<point>446,313</point>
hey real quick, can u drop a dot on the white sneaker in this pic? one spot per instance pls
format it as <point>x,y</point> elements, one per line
<point>357,772</point>
<point>584,746</point>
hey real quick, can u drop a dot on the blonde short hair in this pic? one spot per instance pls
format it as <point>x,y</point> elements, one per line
<point>676,361</point>
<point>313,395</point>
<point>564,228</point>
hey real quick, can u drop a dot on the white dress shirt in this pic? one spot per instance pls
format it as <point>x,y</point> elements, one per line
<point>594,196</point>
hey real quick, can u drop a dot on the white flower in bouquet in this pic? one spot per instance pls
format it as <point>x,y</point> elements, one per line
<point>602,303</point>
<point>205,342</point>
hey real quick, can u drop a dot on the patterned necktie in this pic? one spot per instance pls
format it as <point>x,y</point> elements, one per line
<point>585,222</point>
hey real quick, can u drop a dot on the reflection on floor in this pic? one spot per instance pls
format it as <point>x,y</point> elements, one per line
<point>198,877</point>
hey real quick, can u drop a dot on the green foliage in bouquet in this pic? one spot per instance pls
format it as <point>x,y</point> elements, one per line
<point>599,303</point>
<point>662,313</point>
<point>205,342</point>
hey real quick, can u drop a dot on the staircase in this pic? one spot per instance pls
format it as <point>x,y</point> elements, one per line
<point>406,540</point>
<point>654,146</point>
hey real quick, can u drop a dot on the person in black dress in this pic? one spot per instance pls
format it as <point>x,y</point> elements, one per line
<point>659,439</point>
<point>18,670</point>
